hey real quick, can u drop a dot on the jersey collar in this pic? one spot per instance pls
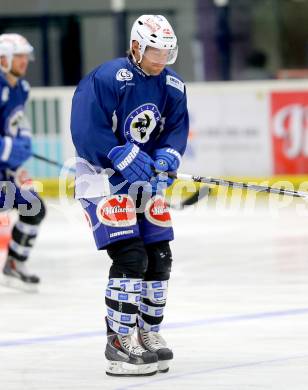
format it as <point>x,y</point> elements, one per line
<point>136,67</point>
<point>3,78</point>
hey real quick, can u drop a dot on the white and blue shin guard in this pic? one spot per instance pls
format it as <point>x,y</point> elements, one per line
<point>123,299</point>
<point>124,355</point>
<point>151,311</point>
<point>153,302</point>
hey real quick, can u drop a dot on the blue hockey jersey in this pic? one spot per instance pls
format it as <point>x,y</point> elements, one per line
<point>12,102</point>
<point>117,103</point>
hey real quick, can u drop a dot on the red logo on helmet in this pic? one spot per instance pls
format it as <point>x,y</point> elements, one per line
<point>157,211</point>
<point>167,31</point>
<point>152,25</point>
<point>117,211</point>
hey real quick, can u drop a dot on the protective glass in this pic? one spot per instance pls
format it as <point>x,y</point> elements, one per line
<point>161,56</point>
<point>30,55</point>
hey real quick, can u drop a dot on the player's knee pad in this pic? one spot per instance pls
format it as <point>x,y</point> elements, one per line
<point>129,258</point>
<point>159,261</point>
<point>38,217</point>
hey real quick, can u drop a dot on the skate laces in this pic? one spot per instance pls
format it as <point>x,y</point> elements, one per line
<point>131,344</point>
<point>153,339</point>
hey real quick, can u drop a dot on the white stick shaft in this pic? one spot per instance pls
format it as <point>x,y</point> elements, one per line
<point>246,186</point>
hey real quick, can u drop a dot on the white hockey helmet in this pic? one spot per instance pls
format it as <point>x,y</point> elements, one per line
<point>154,31</point>
<point>19,43</point>
<point>6,50</point>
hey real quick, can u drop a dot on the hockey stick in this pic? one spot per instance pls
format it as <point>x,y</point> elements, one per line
<point>199,194</point>
<point>51,162</point>
<point>194,198</point>
<point>47,160</point>
<point>234,184</point>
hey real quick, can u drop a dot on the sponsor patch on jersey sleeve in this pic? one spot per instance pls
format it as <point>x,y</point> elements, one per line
<point>5,94</point>
<point>174,82</point>
<point>117,211</point>
<point>124,75</point>
<point>25,85</point>
<point>157,211</point>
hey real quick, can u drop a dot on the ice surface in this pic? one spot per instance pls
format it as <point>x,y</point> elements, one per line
<point>237,313</point>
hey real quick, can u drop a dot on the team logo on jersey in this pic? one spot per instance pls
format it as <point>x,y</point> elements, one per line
<point>117,211</point>
<point>141,122</point>
<point>14,121</point>
<point>157,211</point>
<point>17,123</point>
<point>124,75</point>
<point>5,94</point>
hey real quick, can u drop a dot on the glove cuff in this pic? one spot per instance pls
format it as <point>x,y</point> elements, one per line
<point>7,148</point>
<point>172,156</point>
<point>128,153</point>
<point>175,153</point>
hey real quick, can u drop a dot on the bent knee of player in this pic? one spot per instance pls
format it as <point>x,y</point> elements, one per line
<point>129,258</point>
<point>159,261</point>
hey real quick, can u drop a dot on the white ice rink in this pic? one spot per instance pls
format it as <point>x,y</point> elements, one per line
<point>236,318</point>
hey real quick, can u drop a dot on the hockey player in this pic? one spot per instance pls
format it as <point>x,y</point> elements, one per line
<point>15,149</point>
<point>129,118</point>
<point>5,56</point>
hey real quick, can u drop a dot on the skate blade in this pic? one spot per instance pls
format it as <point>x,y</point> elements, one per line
<point>163,366</point>
<point>116,368</point>
<point>17,284</point>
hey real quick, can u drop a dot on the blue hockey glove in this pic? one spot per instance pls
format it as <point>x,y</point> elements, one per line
<point>133,163</point>
<point>15,151</point>
<point>161,182</point>
<point>166,159</point>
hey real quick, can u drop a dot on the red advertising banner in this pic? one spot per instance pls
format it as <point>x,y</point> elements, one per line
<point>289,129</point>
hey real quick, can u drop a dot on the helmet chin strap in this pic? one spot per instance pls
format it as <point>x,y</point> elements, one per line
<point>134,58</point>
<point>7,68</point>
<point>139,62</point>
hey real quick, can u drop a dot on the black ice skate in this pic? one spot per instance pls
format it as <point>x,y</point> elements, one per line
<point>154,342</point>
<point>16,275</point>
<point>126,357</point>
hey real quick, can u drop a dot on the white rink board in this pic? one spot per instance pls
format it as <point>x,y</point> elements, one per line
<point>229,132</point>
<point>229,125</point>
